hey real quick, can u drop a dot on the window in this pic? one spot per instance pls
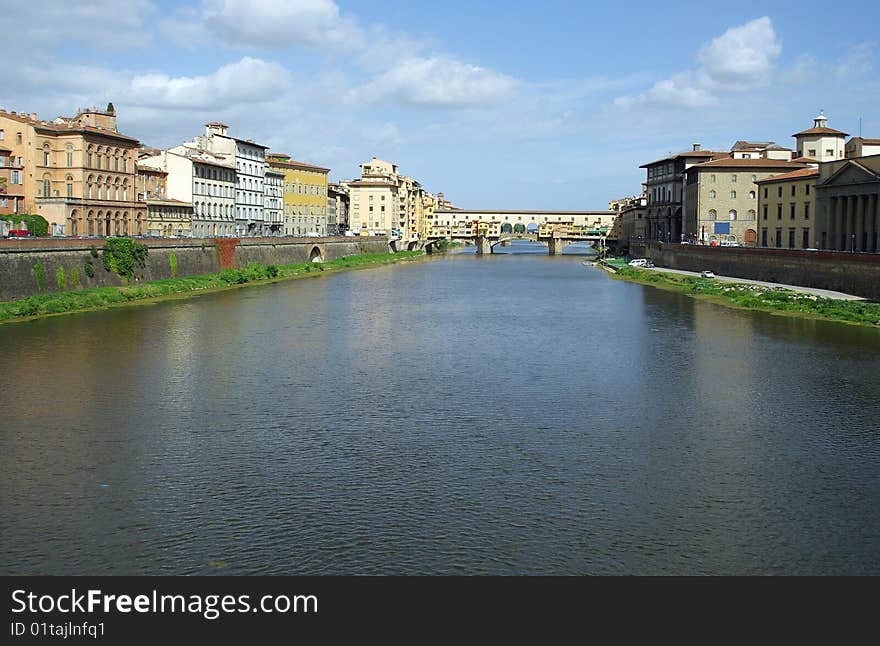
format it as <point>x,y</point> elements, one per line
<point>712,195</point>
<point>765,192</point>
<point>754,178</point>
<point>733,179</point>
<point>751,195</point>
<point>765,211</point>
<point>812,152</point>
<point>763,237</point>
<point>791,238</point>
<point>829,152</point>
<point>46,187</point>
<point>793,190</point>
<point>778,211</point>
<point>805,241</point>
<point>779,191</point>
<point>732,195</point>
<point>807,211</point>
<point>778,238</point>
<point>18,137</point>
<point>793,210</point>
<point>69,186</point>
<point>69,149</point>
<point>752,214</point>
<point>807,189</point>
<point>712,178</point>
<point>2,135</point>
<point>713,214</point>
<point>732,215</point>
<point>45,154</point>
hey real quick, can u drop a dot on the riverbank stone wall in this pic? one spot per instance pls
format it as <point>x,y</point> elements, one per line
<point>29,267</point>
<point>851,273</point>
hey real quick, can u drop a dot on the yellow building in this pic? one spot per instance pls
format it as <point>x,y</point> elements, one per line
<point>786,210</point>
<point>305,195</point>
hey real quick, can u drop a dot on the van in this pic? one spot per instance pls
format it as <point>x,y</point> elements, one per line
<point>639,262</point>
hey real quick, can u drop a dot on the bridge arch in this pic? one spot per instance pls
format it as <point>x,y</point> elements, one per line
<point>412,246</point>
<point>506,227</point>
<point>315,254</point>
<point>519,227</point>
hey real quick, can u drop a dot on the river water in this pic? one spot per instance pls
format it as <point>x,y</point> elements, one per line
<point>511,414</point>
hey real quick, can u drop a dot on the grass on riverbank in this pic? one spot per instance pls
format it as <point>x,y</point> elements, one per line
<point>101,297</point>
<point>775,300</point>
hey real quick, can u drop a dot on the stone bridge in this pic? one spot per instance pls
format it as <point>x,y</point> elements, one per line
<point>486,244</point>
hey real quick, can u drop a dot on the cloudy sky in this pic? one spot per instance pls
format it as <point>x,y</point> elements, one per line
<point>499,105</point>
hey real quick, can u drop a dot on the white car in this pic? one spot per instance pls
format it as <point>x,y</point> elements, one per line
<point>639,262</point>
<point>707,274</point>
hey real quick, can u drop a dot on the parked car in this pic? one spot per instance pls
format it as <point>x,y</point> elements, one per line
<point>20,233</point>
<point>707,274</point>
<point>639,262</point>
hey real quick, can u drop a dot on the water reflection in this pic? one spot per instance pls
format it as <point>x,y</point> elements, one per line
<point>517,413</point>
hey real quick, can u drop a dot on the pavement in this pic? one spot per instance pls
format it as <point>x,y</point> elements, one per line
<point>822,293</point>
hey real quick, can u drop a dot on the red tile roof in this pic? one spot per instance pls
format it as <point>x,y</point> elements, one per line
<point>820,131</point>
<point>802,173</point>
<point>759,163</point>
<point>689,153</point>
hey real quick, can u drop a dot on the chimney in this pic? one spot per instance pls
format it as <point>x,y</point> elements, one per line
<point>696,147</point>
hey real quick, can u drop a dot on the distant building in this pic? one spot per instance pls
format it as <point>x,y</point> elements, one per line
<point>786,209</point>
<point>304,207</point>
<point>165,216</point>
<point>861,147</point>
<point>273,202</point>
<point>722,198</point>
<point>820,143</point>
<point>384,202</point>
<point>337,208</point>
<point>204,180</point>
<point>665,192</point>
<point>11,182</point>
<point>847,193</point>
<point>757,150</point>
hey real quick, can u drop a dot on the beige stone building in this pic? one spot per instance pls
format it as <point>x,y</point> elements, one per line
<point>786,210</point>
<point>384,202</point>
<point>77,172</point>
<point>722,199</point>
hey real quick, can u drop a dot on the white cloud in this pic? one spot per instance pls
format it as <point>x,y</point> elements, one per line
<point>250,80</point>
<point>437,82</point>
<point>99,24</point>
<point>739,60</point>
<point>281,23</point>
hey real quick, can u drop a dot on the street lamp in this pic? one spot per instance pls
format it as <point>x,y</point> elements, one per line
<point>852,247</point>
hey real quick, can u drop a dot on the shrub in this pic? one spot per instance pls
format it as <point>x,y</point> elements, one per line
<point>89,267</point>
<point>172,260</point>
<point>40,276</point>
<point>74,278</point>
<point>94,251</point>
<point>272,271</point>
<point>123,255</point>
<point>61,279</point>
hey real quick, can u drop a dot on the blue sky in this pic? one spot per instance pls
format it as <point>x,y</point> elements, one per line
<point>548,105</point>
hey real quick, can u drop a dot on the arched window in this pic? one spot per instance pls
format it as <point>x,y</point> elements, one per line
<point>89,185</point>
<point>713,214</point>
<point>91,223</point>
<point>731,215</point>
<point>69,180</point>
<point>116,190</point>
<point>89,152</point>
<point>125,223</point>
<point>752,214</point>
<point>733,179</point>
<point>712,195</point>
<point>124,190</point>
<point>47,186</point>
<point>69,149</point>
<point>116,160</point>
<point>751,195</point>
<point>45,154</point>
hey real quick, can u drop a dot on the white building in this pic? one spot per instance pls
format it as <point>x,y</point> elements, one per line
<point>203,179</point>
<point>821,143</point>
<point>273,202</point>
<point>249,160</point>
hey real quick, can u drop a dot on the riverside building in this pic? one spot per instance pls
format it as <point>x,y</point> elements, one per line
<point>304,209</point>
<point>77,172</point>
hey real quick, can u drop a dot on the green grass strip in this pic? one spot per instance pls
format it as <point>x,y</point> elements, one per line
<point>775,300</point>
<point>103,297</point>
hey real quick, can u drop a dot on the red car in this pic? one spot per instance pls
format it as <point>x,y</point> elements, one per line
<point>20,233</point>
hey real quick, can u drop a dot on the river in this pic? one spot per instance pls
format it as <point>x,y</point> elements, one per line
<point>508,414</point>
